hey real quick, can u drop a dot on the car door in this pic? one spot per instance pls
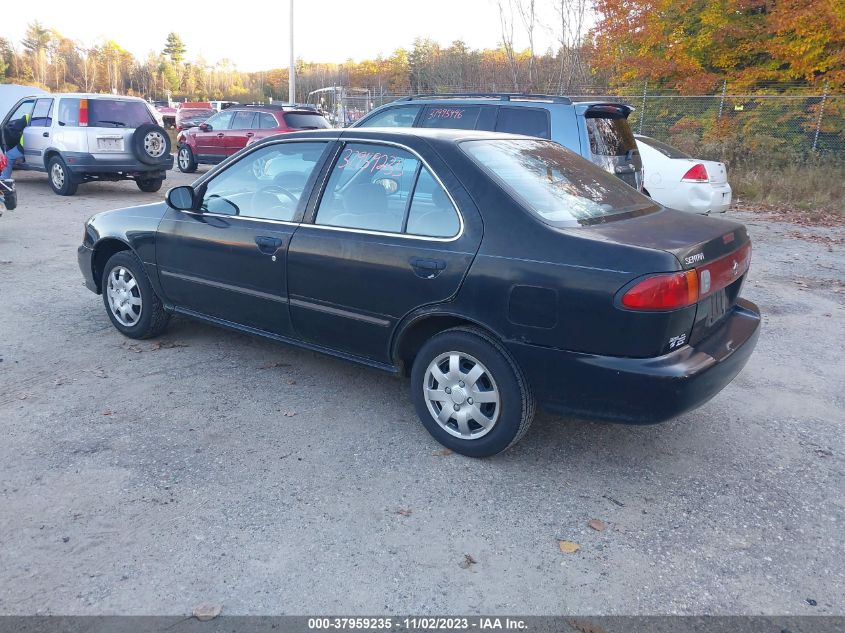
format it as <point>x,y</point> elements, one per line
<point>226,259</point>
<point>242,129</point>
<point>36,136</point>
<point>385,238</point>
<point>211,138</point>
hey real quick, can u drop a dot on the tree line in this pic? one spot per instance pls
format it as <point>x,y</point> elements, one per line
<point>685,45</point>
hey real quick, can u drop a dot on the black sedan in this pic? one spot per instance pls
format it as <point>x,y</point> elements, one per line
<point>499,272</point>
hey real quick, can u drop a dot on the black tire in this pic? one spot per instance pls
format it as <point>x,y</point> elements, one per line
<point>150,143</point>
<point>516,400</point>
<point>185,160</point>
<point>62,181</point>
<point>150,185</point>
<point>646,193</point>
<point>152,317</point>
<point>10,200</point>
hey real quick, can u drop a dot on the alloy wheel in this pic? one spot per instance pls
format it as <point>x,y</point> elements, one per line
<point>57,175</point>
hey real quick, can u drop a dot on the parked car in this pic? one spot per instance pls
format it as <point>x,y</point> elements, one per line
<point>222,105</point>
<point>497,271</point>
<point>677,180</point>
<point>596,130</point>
<point>79,138</point>
<point>192,117</point>
<point>230,130</point>
<point>167,113</point>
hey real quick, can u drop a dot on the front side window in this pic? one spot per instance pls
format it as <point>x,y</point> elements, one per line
<point>118,113</point>
<point>454,117</point>
<point>41,114</point>
<point>386,189</point>
<point>400,116</point>
<point>268,183</point>
<point>220,121</point>
<point>243,120</point>
<point>555,184</point>
<point>23,109</point>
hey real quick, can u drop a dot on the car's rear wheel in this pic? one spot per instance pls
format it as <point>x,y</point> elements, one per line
<point>149,185</point>
<point>61,180</point>
<point>185,160</point>
<point>470,394</point>
<point>131,303</point>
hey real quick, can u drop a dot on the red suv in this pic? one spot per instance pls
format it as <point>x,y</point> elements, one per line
<point>230,130</point>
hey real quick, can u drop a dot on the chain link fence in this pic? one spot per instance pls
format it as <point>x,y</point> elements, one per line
<point>734,128</point>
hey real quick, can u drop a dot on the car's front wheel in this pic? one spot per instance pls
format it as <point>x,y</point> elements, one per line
<point>131,303</point>
<point>61,180</point>
<point>185,160</point>
<point>470,394</point>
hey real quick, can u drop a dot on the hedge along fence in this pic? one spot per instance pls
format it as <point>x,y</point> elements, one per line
<point>744,128</point>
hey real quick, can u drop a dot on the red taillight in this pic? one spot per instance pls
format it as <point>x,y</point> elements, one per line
<point>697,173</point>
<point>663,292</point>
<point>83,113</point>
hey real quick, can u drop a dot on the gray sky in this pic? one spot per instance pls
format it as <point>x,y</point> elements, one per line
<point>255,35</point>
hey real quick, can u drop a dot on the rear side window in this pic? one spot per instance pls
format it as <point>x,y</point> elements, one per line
<point>69,112</point>
<point>41,113</point>
<point>454,117</point>
<point>431,213</point>
<point>400,116</point>
<point>555,184</point>
<point>118,113</point>
<point>527,121</point>
<point>306,121</point>
<point>243,120</point>
<point>609,136</point>
<point>667,150</point>
<point>267,121</point>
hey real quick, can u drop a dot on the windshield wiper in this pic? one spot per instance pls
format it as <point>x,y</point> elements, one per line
<point>115,123</point>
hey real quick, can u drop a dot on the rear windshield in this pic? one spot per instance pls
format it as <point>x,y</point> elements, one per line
<point>609,136</point>
<point>560,187</point>
<point>117,113</point>
<point>667,150</point>
<point>306,120</point>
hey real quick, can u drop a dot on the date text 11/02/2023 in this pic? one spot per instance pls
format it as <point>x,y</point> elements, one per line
<point>478,623</point>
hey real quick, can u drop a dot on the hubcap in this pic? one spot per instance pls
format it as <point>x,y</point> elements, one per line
<point>124,296</point>
<point>58,175</point>
<point>461,395</point>
<point>154,144</point>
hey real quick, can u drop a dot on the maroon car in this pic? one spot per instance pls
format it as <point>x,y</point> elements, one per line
<point>230,130</point>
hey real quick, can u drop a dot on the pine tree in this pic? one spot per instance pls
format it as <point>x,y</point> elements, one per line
<point>174,48</point>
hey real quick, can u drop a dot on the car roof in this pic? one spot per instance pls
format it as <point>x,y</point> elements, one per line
<point>407,135</point>
<point>91,95</point>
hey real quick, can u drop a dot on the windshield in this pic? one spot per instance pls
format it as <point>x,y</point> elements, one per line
<point>306,121</point>
<point>558,186</point>
<point>667,150</point>
<point>118,113</point>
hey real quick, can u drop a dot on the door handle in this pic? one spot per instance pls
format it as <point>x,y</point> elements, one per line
<point>427,268</point>
<point>268,245</point>
<point>250,133</point>
<point>220,135</point>
<point>45,134</point>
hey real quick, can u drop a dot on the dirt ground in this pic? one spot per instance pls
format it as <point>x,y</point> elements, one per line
<point>207,466</point>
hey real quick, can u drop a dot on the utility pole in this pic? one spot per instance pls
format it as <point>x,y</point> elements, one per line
<point>292,69</point>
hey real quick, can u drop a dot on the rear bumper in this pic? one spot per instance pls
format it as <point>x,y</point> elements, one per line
<point>710,198</point>
<point>84,163</point>
<point>641,390</point>
<point>84,255</point>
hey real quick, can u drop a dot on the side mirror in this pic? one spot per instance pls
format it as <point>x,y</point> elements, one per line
<point>182,198</point>
<point>205,127</point>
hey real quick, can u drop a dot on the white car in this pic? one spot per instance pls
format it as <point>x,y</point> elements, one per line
<point>679,181</point>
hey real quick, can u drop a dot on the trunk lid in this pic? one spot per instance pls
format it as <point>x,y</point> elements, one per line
<point>719,251</point>
<point>716,171</point>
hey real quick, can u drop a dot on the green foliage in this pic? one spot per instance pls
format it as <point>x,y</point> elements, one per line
<point>174,48</point>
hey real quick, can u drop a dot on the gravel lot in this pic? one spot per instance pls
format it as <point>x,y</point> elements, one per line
<point>207,466</point>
